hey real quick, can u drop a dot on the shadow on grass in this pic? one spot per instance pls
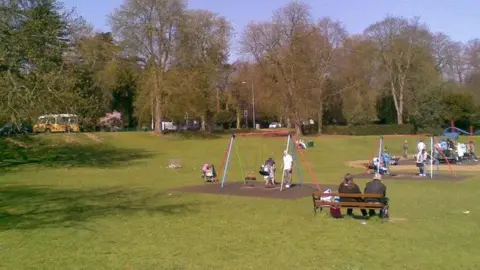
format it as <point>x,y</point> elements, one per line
<point>194,135</point>
<point>23,150</point>
<point>24,207</point>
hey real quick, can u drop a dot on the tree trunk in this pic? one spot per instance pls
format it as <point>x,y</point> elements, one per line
<point>209,121</point>
<point>289,123</point>
<point>298,126</point>
<point>400,106</point>
<point>203,122</point>
<point>153,114</point>
<point>218,99</point>
<point>158,115</point>
<point>398,101</point>
<point>320,118</point>
<point>239,118</point>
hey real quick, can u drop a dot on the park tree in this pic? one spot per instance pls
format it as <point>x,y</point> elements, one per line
<point>200,58</point>
<point>34,38</point>
<point>326,39</point>
<point>279,49</point>
<point>148,30</point>
<point>358,74</point>
<point>399,41</point>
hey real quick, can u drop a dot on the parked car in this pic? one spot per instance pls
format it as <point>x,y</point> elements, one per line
<point>14,129</point>
<point>190,127</point>
<point>275,125</point>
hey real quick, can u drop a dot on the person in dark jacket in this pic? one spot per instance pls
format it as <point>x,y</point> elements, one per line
<point>348,186</point>
<point>375,187</point>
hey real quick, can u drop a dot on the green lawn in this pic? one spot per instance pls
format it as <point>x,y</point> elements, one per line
<point>70,202</point>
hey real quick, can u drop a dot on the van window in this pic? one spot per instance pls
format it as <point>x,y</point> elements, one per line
<point>61,120</point>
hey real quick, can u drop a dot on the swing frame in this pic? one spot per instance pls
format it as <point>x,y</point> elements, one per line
<point>291,148</point>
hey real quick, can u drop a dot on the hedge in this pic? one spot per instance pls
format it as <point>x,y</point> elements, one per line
<point>363,130</point>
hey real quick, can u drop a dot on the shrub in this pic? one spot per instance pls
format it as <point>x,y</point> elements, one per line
<point>363,130</point>
<point>112,121</point>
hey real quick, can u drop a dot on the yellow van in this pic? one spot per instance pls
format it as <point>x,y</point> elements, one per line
<point>57,123</point>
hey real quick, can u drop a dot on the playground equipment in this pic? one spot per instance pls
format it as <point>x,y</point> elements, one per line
<point>381,163</point>
<point>291,147</point>
<point>458,131</point>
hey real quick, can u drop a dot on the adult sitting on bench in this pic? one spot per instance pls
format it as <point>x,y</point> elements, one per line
<point>349,187</point>
<point>377,187</point>
<point>372,198</point>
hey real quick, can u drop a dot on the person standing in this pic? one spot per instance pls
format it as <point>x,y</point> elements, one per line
<point>405,149</point>
<point>421,158</point>
<point>287,169</point>
<point>421,146</point>
<point>471,147</point>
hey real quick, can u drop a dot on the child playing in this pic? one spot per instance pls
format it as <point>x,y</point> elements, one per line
<point>269,172</point>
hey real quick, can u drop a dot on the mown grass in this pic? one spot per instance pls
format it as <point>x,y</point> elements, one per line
<point>77,203</point>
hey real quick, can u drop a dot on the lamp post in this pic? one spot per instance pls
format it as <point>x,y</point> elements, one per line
<point>253,105</point>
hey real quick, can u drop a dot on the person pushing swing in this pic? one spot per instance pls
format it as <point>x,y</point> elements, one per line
<point>287,169</point>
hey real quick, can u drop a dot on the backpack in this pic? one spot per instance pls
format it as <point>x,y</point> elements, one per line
<point>336,212</point>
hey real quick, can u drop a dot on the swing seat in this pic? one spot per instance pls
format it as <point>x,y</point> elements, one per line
<point>251,177</point>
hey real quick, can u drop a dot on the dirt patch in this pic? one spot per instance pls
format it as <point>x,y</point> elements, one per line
<point>17,143</point>
<point>70,139</point>
<point>256,190</point>
<point>93,137</point>
<point>467,167</point>
<point>413,176</point>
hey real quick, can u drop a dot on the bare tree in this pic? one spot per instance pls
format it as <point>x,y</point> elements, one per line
<point>398,42</point>
<point>327,37</point>
<point>148,29</point>
<point>277,47</point>
<point>359,76</point>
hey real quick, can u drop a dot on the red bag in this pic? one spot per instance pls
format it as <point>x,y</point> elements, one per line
<point>335,212</point>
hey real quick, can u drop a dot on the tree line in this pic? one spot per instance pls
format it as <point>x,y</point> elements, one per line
<point>162,60</point>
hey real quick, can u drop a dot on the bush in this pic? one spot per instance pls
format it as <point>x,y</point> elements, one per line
<point>363,130</point>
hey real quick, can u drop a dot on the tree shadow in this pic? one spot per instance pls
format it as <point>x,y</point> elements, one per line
<point>194,135</point>
<point>24,150</point>
<point>25,207</point>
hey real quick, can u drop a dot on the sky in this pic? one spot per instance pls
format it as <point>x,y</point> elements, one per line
<point>458,19</point>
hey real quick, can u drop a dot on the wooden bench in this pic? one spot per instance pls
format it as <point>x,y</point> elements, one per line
<point>319,204</point>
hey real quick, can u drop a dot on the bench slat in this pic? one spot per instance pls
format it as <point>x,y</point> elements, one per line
<point>347,195</point>
<point>350,204</point>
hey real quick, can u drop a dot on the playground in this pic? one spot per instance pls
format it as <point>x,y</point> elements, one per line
<point>137,201</point>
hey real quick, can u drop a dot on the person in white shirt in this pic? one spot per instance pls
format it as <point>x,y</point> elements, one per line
<point>287,168</point>
<point>421,158</point>
<point>421,146</point>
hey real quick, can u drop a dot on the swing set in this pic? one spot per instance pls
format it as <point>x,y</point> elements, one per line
<point>250,178</point>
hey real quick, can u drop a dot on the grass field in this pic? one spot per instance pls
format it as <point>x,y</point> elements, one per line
<point>102,201</point>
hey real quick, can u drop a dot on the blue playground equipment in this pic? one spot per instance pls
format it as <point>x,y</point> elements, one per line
<point>450,131</point>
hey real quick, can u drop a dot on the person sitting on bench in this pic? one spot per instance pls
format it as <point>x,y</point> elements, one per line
<point>375,187</point>
<point>348,186</point>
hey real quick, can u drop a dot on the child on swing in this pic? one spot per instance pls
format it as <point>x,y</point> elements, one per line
<point>268,169</point>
